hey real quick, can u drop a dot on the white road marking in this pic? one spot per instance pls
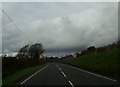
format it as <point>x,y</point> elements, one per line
<point>60,69</point>
<point>56,65</point>
<point>32,75</point>
<point>71,83</point>
<point>63,74</point>
<point>93,74</point>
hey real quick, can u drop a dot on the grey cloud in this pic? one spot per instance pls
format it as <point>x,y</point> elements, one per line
<point>70,26</point>
<point>0,31</point>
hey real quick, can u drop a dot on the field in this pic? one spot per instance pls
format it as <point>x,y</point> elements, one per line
<point>105,63</point>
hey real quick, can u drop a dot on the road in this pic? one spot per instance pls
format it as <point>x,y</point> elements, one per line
<point>62,74</point>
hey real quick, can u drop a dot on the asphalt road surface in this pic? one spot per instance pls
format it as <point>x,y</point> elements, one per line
<point>61,74</point>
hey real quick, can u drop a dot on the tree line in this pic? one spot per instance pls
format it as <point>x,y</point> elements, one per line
<point>93,50</point>
<point>28,56</point>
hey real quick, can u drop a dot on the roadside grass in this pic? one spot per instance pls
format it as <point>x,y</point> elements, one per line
<point>106,63</point>
<point>20,75</point>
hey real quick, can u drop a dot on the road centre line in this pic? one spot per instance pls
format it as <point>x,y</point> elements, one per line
<point>71,83</point>
<point>65,75</point>
<point>33,75</point>
<point>60,69</point>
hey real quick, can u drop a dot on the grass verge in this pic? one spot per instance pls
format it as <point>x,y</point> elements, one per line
<point>106,63</point>
<point>19,75</point>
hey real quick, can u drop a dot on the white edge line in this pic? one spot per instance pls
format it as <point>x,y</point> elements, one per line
<point>94,74</point>
<point>71,84</point>
<point>32,75</point>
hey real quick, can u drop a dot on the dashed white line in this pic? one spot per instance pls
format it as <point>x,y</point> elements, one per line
<point>32,75</point>
<point>63,74</point>
<point>71,83</point>
<point>60,69</point>
<point>57,65</point>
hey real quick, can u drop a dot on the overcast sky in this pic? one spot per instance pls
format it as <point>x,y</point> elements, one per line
<point>69,26</point>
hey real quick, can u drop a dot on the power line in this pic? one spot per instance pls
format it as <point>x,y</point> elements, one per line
<point>16,26</point>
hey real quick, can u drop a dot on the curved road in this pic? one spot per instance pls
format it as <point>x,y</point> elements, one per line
<point>65,75</point>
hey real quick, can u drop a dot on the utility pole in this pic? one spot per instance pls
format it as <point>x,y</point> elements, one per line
<point>58,51</point>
